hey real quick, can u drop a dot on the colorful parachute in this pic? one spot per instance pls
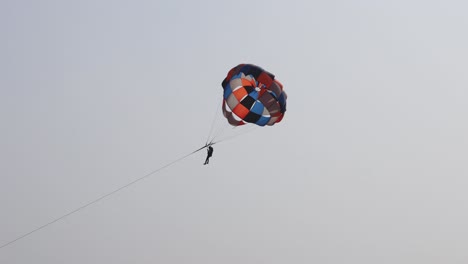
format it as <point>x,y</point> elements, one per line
<point>252,95</point>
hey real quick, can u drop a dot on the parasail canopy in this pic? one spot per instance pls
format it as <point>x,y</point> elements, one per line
<point>253,95</point>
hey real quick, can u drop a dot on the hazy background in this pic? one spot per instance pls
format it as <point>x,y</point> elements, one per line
<point>368,166</point>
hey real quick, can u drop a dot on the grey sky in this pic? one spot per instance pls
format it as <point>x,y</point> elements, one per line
<point>369,164</point>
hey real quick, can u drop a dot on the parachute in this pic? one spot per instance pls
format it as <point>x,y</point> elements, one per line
<point>252,95</point>
<point>252,98</point>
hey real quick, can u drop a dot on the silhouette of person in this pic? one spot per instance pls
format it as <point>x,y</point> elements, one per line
<point>209,154</point>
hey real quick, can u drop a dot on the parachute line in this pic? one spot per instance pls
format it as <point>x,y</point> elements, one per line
<point>101,197</point>
<point>246,129</point>
<point>213,124</point>
<point>218,125</point>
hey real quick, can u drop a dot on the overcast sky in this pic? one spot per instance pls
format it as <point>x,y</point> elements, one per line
<point>369,165</point>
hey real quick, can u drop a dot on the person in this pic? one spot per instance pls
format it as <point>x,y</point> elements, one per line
<point>209,154</point>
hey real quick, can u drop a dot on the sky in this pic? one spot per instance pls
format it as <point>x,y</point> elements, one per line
<point>369,164</point>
